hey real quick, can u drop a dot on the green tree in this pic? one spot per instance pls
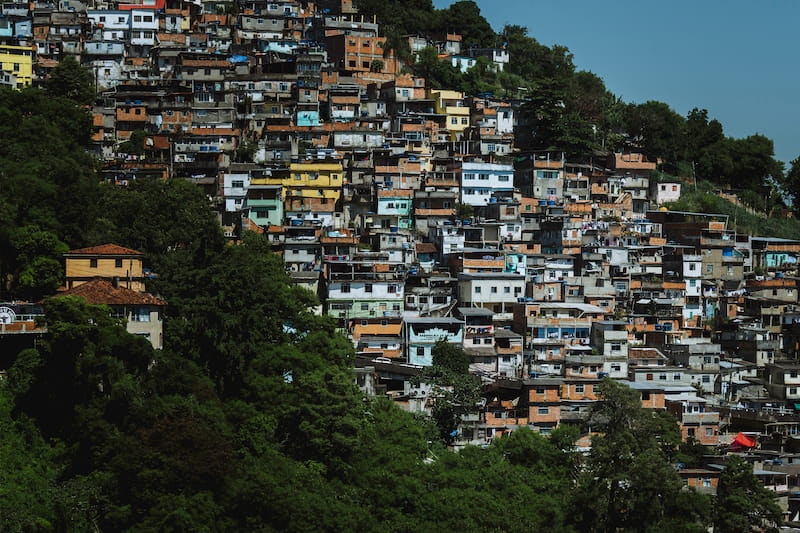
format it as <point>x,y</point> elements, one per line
<point>47,179</point>
<point>224,313</point>
<point>457,391</point>
<point>743,503</point>
<point>703,137</point>
<point>464,17</point>
<point>135,145</point>
<point>437,73</point>
<point>791,183</point>
<point>71,80</point>
<point>656,129</point>
<point>39,270</point>
<point>171,222</point>
<point>28,474</point>
<point>628,483</point>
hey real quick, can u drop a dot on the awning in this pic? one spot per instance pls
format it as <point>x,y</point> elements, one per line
<point>744,441</point>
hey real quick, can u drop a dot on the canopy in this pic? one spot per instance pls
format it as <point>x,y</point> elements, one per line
<point>744,441</point>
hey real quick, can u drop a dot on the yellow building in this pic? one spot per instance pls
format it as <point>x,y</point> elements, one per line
<point>308,180</point>
<point>17,60</point>
<point>451,104</point>
<point>121,265</point>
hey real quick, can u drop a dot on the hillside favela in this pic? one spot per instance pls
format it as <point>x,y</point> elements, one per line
<point>358,266</point>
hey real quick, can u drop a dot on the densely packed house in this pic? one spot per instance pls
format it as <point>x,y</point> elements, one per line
<point>416,217</point>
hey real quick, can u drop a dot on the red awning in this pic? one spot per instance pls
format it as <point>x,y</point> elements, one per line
<point>744,441</point>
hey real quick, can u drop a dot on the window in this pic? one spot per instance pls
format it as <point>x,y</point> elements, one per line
<point>477,290</point>
<point>543,410</point>
<point>92,263</point>
<point>392,289</point>
<point>506,290</point>
<point>464,121</point>
<point>706,481</point>
<point>117,263</point>
<point>454,121</point>
<point>649,377</point>
<point>420,351</point>
<point>345,287</point>
<point>16,67</point>
<point>662,377</point>
<point>141,314</point>
<point>709,269</point>
<point>792,390</point>
<point>706,379</point>
<point>476,340</point>
<point>616,346</point>
<point>709,432</point>
<point>494,290</point>
<point>487,340</point>
<point>676,377</point>
<point>579,388</point>
<point>539,390</point>
<point>237,184</point>
<point>365,307</point>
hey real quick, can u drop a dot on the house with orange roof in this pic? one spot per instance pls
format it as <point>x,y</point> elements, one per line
<point>377,336</point>
<point>142,312</point>
<point>107,261</point>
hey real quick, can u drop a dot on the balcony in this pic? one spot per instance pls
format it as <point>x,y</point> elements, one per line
<point>704,419</point>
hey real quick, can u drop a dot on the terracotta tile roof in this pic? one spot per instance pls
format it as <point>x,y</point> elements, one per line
<point>252,226</point>
<point>646,353</point>
<point>394,193</point>
<point>179,38</point>
<point>219,63</point>
<point>104,249</point>
<point>101,291</point>
<point>426,248</point>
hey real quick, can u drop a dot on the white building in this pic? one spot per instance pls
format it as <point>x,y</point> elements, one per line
<point>496,291</point>
<point>234,190</point>
<point>480,181</point>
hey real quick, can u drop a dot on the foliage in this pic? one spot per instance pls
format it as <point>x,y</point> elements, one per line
<point>437,73</point>
<point>47,181</point>
<point>250,420</point>
<point>628,482</point>
<point>706,200</point>
<point>456,391</point>
<point>71,80</point>
<point>135,145</point>
<point>743,503</point>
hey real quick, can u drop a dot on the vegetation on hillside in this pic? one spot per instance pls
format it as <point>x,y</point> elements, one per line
<point>249,420</point>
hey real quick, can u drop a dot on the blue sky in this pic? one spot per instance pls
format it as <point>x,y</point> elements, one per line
<point>738,59</point>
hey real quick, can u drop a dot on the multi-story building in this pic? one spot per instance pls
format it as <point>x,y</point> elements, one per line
<point>421,334</point>
<point>365,285</point>
<point>18,62</point>
<point>483,183</point>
